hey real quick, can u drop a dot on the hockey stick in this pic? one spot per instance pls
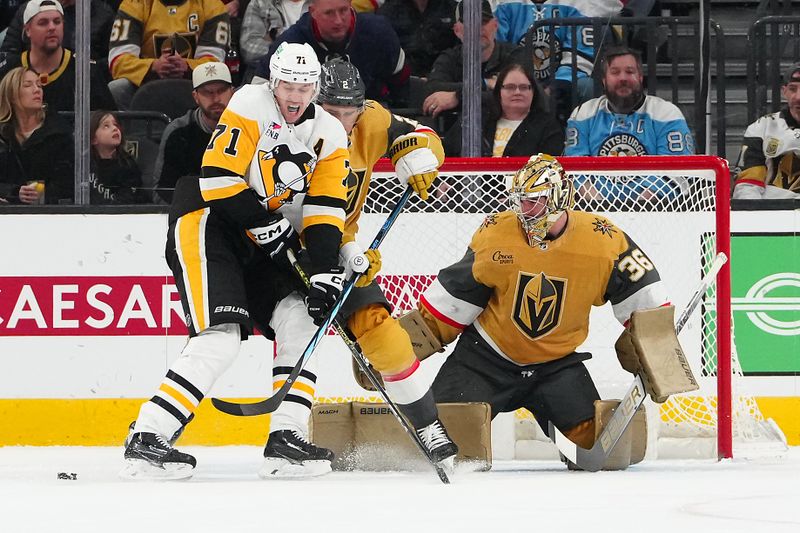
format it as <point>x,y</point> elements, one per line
<point>269,405</point>
<point>594,458</point>
<point>358,355</point>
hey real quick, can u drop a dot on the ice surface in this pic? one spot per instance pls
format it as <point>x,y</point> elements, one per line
<point>225,495</point>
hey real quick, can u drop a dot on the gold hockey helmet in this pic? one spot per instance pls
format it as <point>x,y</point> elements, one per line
<point>539,193</point>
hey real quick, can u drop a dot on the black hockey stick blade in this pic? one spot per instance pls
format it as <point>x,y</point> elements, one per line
<point>262,407</point>
<point>270,404</point>
<point>358,356</point>
<point>594,458</point>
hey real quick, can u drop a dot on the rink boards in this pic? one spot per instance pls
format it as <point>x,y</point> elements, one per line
<point>90,321</point>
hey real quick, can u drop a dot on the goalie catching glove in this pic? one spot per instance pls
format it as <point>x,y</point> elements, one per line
<point>276,236</point>
<point>324,289</point>
<point>414,162</point>
<point>354,259</point>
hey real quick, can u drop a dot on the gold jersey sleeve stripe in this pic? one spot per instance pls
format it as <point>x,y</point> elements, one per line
<point>758,173</point>
<point>323,219</point>
<point>296,385</point>
<point>223,192</point>
<point>177,396</point>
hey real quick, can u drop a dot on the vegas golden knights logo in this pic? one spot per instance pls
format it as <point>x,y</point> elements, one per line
<point>354,181</point>
<point>538,303</point>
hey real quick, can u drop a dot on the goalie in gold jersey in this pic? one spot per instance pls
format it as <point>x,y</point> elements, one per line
<point>416,152</point>
<point>520,299</point>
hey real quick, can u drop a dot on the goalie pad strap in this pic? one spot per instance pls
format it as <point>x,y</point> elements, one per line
<point>650,347</point>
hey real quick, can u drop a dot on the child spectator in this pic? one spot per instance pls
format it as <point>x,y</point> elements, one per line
<point>35,147</point>
<point>114,176</point>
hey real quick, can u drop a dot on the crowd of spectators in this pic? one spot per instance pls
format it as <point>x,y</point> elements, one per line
<point>538,89</point>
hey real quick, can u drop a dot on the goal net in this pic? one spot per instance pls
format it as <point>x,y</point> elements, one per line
<point>675,208</point>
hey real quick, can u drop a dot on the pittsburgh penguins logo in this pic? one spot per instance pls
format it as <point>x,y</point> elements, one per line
<point>538,303</point>
<point>545,59</point>
<point>622,144</point>
<point>284,173</point>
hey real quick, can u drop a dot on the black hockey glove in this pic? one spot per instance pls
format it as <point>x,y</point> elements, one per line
<point>324,289</point>
<point>275,237</point>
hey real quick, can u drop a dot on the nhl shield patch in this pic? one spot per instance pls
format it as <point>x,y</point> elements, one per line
<point>538,303</point>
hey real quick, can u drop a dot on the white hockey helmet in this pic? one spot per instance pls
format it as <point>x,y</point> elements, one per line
<point>542,176</point>
<point>295,63</point>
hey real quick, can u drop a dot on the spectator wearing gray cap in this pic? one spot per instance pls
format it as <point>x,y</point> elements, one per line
<point>443,89</point>
<point>769,163</point>
<point>44,26</point>
<point>185,139</point>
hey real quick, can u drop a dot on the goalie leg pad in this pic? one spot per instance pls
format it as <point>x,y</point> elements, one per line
<point>632,445</point>
<point>385,343</point>
<point>650,347</point>
<point>366,436</point>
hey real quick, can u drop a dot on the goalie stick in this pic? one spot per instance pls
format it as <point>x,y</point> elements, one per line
<point>594,458</point>
<point>358,355</point>
<point>269,405</point>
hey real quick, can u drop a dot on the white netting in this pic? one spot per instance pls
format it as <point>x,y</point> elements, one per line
<point>670,214</point>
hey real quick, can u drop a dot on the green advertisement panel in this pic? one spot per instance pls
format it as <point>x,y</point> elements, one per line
<point>765,291</point>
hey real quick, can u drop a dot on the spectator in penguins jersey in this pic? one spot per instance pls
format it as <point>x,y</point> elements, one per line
<point>626,122</point>
<point>769,163</point>
<point>185,139</point>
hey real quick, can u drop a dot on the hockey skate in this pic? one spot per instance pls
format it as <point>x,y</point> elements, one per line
<point>289,454</point>
<point>442,449</point>
<point>150,456</point>
<point>175,436</point>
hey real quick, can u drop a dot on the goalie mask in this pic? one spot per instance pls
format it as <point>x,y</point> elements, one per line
<point>341,84</point>
<point>539,193</point>
<point>294,63</point>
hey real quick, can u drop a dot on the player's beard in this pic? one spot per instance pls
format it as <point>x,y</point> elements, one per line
<point>625,104</point>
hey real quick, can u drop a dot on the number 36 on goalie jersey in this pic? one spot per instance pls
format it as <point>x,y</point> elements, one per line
<point>532,305</point>
<point>291,167</point>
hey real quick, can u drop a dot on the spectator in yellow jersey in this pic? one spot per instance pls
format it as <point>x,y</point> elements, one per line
<point>164,39</point>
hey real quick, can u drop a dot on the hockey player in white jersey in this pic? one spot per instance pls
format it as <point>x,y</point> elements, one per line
<point>625,121</point>
<point>769,163</point>
<point>273,173</point>
<point>417,153</point>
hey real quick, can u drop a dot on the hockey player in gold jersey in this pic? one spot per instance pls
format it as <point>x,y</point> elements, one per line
<point>417,153</point>
<point>519,302</point>
<point>274,172</point>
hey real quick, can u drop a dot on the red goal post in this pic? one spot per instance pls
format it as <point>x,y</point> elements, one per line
<point>467,189</point>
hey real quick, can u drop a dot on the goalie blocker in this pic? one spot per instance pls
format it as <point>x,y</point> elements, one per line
<point>649,347</point>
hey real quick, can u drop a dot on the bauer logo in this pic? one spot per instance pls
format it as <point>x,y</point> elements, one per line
<point>375,411</point>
